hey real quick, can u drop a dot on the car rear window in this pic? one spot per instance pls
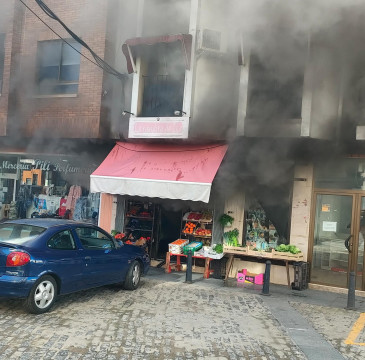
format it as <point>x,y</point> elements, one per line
<point>19,233</point>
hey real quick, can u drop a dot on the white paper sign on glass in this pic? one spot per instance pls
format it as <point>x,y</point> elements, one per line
<point>329,226</point>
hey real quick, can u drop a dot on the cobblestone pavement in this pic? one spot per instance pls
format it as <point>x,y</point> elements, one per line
<point>335,324</point>
<point>160,320</point>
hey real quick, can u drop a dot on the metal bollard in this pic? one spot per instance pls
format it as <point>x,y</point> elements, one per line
<point>351,292</point>
<point>189,268</point>
<point>266,286</point>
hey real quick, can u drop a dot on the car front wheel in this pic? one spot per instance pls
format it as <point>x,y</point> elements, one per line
<point>42,295</point>
<point>133,276</point>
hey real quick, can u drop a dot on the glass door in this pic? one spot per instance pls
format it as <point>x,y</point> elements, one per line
<point>338,241</point>
<point>333,239</point>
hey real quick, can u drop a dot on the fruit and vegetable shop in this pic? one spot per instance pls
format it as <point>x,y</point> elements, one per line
<point>165,199</point>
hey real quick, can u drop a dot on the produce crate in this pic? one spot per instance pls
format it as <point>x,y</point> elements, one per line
<point>234,249</point>
<point>287,255</point>
<point>257,253</point>
<point>247,277</point>
<point>212,255</point>
<point>219,268</point>
<point>176,247</point>
<point>193,246</point>
<point>301,276</point>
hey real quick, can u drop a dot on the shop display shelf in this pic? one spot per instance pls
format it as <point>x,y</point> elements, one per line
<point>201,220</point>
<point>260,254</point>
<point>139,217</point>
<point>286,255</point>
<point>138,229</point>
<point>202,236</point>
<point>234,249</point>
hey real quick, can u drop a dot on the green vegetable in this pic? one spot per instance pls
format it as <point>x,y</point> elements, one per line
<point>231,237</point>
<point>282,248</point>
<point>218,248</point>
<point>288,248</point>
<point>226,219</point>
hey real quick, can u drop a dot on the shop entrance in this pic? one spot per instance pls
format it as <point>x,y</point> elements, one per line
<point>338,238</point>
<point>168,231</point>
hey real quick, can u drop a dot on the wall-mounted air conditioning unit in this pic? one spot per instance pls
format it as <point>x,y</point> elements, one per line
<point>211,41</point>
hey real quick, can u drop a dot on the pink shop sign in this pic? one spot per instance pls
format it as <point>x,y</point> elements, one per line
<point>155,127</point>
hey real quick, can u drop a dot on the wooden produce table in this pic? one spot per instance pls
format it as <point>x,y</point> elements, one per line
<point>178,263</point>
<point>286,258</point>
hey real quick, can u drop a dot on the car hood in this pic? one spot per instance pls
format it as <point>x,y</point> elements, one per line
<point>132,249</point>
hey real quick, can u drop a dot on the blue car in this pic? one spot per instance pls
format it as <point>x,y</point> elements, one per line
<point>43,258</point>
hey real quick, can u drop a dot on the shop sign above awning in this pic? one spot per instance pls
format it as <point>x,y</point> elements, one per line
<point>129,46</point>
<point>184,172</point>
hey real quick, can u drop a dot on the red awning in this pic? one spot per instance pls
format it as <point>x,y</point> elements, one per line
<point>130,44</point>
<point>183,172</point>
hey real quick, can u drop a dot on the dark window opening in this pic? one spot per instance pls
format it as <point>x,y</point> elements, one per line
<point>163,80</point>
<point>2,60</point>
<point>58,67</point>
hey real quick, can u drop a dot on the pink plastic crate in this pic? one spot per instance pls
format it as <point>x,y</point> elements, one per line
<point>257,279</point>
<point>240,277</point>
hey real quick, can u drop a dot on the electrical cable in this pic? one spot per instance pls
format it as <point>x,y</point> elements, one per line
<point>98,61</point>
<point>106,67</point>
<point>65,41</point>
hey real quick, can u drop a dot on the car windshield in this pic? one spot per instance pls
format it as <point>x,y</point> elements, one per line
<point>19,233</point>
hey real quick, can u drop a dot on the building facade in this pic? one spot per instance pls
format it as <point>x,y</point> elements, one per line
<point>283,94</point>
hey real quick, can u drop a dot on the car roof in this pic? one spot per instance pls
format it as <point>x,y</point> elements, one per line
<point>46,222</point>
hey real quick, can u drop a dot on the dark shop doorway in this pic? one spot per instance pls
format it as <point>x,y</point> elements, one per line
<point>168,231</point>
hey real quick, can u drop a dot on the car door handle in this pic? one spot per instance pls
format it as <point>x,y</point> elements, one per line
<point>347,243</point>
<point>87,258</point>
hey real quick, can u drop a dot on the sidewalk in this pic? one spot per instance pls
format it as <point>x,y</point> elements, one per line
<point>316,321</point>
<point>309,296</point>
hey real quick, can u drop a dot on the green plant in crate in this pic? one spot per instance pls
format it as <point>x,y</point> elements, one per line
<point>226,219</point>
<point>231,237</point>
<point>218,248</point>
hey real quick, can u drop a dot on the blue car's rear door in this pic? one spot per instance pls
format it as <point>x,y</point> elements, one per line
<point>103,263</point>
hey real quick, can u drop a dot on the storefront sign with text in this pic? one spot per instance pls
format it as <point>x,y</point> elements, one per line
<point>44,166</point>
<point>155,127</point>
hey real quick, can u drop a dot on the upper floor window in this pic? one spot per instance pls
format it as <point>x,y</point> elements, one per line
<point>163,80</point>
<point>163,62</point>
<point>58,67</point>
<point>2,58</point>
